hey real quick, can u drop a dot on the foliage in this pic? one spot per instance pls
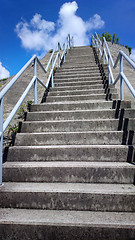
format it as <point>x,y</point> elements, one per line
<point>113,38</point>
<point>106,35</point>
<point>3,79</point>
<point>23,108</point>
<point>129,49</point>
<point>12,129</point>
<point>50,51</point>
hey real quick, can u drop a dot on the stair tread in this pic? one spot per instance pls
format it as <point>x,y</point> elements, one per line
<point>67,218</point>
<point>74,121</point>
<point>69,164</point>
<point>94,188</point>
<point>71,146</point>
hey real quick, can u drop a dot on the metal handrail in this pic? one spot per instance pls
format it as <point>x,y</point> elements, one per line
<point>104,52</point>
<point>67,45</point>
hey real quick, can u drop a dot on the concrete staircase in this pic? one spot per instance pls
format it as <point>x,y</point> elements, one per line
<point>70,175</point>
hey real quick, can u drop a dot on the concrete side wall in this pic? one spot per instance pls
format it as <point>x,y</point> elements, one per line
<point>128,70</point>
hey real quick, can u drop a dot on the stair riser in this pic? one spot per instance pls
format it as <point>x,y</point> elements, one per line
<point>82,97</point>
<point>79,115</point>
<point>82,115</point>
<point>78,65</point>
<point>69,175</point>
<point>83,92</point>
<point>72,153</point>
<point>79,61</point>
<point>75,83</point>
<point>69,126</point>
<point>78,106</point>
<point>67,201</point>
<point>78,87</point>
<point>77,75</point>
<point>77,71</point>
<point>60,232</point>
<point>65,67</point>
<point>92,138</point>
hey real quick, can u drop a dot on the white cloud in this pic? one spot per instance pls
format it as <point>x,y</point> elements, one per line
<point>41,35</point>
<point>4,73</point>
<point>132,55</point>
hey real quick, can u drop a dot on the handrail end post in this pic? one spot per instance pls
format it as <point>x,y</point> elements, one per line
<point>35,82</point>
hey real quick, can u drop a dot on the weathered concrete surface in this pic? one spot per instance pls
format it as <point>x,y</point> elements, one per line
<point>67,163</point>
<point>59,196</point>
<point>96,153</point>
<point>128,70</point>
<point>70,172</point>
<point>59,225</point>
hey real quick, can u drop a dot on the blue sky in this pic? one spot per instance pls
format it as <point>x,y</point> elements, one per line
<point>28,27</point>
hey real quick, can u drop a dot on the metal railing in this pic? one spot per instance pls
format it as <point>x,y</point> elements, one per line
<point>105,54</point>
<point>66,46</point>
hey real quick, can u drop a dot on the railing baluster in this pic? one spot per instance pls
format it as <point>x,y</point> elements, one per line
<point>1,139</point>
<point>99,52</point>
<point>121,79</point>
<point>35,83</point>
<point>72,41</point>
<point>103,52</point>
<point>109,79</point>
<point>69,40</point>
<point>64,51</point>
<point>58,54</point>
<point>52,83</point>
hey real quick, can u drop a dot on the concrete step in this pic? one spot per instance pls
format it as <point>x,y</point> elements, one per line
<point>70,172</point>
<point>82,97</point>
<point>76,75</point>
<point>61,136</point>
<point>81,57</point>
<point>68,196</point>
<point>79,125</point>
<point>81,105</point>
<point>76,82</point>
<point>78,87</point>
<point>79,92</point>
<point>81,114</point>
<point>97,153</point>
<point>76,65</point>
<point>77,70</point>
<point>68,225</point>
<point>65,67</point>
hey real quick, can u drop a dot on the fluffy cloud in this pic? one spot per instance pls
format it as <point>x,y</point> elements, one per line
<point>42,35</point>
<point>132,56</point>
<point>4,73</point>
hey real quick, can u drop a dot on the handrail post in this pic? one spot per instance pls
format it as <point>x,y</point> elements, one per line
<point>103,52</point>
<point>109,79</point>
<point>72,42</point>
<point>69,40</point>
<point>35,83</point>
<point>52,82</point>
<point>121,79</point>
<point>1,138</point>
<point>64,51</point>
<point>67,43</point>
<point>99,51</point>
<point>67,46</point>
<point>59,54</point>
